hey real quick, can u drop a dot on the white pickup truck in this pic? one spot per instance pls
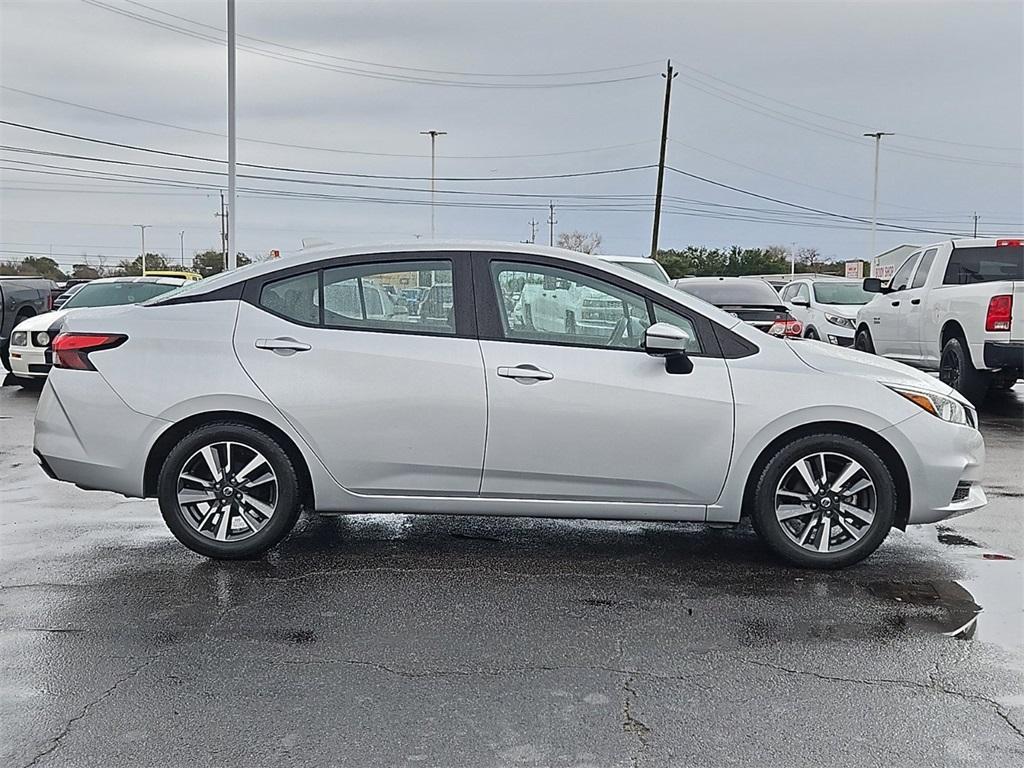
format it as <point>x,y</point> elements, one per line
<point>956,307</point>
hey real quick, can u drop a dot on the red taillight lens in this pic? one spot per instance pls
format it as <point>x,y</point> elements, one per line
<point>1008,243</point>
<point>788,328</point>
<point>1000,313</point>
<point>71,350</point>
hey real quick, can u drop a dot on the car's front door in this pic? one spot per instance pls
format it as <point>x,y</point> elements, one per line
<point>390,403</point>
<point>884,311</point>
<point>585,413</point>
<point>912,310</point>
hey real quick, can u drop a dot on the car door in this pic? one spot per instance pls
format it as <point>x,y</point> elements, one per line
<point>911,310</point>
<point>884,311</point>
<point>389,403</point>
<point>800,292</point>
<point>584,413</point>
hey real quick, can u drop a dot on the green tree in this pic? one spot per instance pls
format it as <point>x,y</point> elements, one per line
<point>34,266</point>
<point>84,272</point>
<point>211,262</point>
<point>133,267</point>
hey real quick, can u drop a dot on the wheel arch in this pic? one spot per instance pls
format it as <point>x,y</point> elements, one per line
<point>889,455</point>
<point>173,434</point>
<point>951,329</point>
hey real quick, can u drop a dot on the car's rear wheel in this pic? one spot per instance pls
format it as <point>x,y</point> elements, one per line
<point>957,371</point>
<point>863,342</point>
<point>824,501</point>
<point>228,491</point>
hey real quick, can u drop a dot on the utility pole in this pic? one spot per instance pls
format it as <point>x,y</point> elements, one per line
<point>533,230</point>
<point>433,146</point>
<point>142,229</point>
<point>668,75</point>
<point>877,136</point>
<point>975,223</point>
<point>551,222</point>
<point>223,216</point>
<point>181,237</point>
<point>232,259</point>
<point>792,260</point>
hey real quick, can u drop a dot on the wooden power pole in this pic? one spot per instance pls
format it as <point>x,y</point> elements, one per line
<point>668,75</point>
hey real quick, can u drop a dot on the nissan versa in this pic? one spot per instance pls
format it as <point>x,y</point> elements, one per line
<point>240,399</point>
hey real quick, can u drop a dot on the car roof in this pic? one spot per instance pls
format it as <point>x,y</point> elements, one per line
<point>625,259</point>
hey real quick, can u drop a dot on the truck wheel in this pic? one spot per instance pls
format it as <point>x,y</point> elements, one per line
<point>957,371</point>
<point>5,354</point>
<point>862,341</point>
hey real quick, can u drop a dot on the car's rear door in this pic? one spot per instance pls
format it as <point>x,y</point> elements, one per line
<point>585,414</point>
<point>390,405</point>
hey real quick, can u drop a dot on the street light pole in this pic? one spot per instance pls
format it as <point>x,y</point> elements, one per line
<point>142,229</point>
<point>877,136</point>
<point>232,211</point>
<point>433,142</point>
<point>181,237</point>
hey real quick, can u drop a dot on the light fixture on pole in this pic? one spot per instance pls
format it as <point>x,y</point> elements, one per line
<point>877,136</point>
<point>142,229</point>
<point>232,211</point>
<point>433,143</point>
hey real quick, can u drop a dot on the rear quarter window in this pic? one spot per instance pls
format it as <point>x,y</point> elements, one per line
<point>984,265</point>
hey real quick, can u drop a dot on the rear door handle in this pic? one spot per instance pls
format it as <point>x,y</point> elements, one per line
<point>527,372</point>
<point>915,302</point>
<point>283,345</point>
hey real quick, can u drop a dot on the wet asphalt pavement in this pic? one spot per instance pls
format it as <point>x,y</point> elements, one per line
<point>441,641</point>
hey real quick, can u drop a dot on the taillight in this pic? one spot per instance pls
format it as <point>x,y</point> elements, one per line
<point>788,328</point>
<point>71,350</point>
<point>1008,243</point>
<point>1000,313</point>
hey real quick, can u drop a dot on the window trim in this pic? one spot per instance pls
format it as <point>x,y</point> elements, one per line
<point>462,286</point>
<point>489,318</point>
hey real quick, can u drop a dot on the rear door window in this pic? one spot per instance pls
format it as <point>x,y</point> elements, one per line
<point>985,265</point>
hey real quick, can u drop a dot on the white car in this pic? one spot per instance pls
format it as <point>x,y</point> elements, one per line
<point>31,356</point>
<point>827,309</point>
<point>955,307</point>
<point>235,410</point>
<point>642,264</point>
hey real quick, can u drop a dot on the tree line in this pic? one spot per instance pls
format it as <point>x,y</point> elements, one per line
<point>206,263</point>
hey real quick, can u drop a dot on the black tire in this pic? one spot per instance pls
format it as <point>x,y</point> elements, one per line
<point>862,341</point>
<point>286,511</point>
<point>770,529</point>
<point>812,334</point>
<point>957,371</point>
<point>30,384</point>
<point>5,354</point>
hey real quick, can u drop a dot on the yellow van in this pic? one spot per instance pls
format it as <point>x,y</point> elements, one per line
<point>172,273</point>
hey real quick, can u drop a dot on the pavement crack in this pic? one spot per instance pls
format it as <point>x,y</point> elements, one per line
<point>932,685</point>
<point>633,725</point>
<point>56,740</point>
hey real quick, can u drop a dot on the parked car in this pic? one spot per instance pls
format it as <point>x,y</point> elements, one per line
<point>184,274</point>
<point>750,299</point>
<point>30,351</point>
<point>235,415</point>
<point>69,290</point>
<point>642,264</point>
<point>20,299</point>
<point>827,309</point>
<point>950,308</point>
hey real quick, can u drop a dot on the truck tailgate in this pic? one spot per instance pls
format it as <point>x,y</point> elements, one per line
<point>1017,323</point>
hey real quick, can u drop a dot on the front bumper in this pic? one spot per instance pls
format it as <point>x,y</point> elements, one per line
<point>944,462</point>
<point>30,362</point>
<point>837,338</point>
<point>1004,354</point>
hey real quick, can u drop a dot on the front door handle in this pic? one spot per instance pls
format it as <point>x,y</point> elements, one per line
<point>283,345</point>
<point>895,303</point>
<point>528,373</point>
<point>915,302</point>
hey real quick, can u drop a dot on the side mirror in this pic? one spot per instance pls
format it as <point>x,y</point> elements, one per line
<point>799,302</point>
<point>669,341</point>
<point>874,285</point>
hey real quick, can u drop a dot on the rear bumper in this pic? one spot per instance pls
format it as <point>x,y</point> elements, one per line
<point>1004,354</point>
<point>86,435</point>
<point>940,458</point>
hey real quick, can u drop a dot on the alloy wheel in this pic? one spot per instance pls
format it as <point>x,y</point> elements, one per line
<point>227,491</point>
<point>825,502</point>
<point>949,370</point>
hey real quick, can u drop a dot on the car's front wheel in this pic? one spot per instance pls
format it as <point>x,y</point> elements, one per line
<point>824,501</point>
<point>862,341</point>
<point>228,491</point>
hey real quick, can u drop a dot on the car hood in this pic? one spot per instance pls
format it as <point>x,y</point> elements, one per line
<point>830,358</point>
<point>41,322</point>
<point>848,311</point>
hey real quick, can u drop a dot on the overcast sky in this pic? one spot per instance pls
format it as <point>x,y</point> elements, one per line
<point>771,98</point>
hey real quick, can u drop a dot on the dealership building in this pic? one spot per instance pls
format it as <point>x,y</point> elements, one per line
<point>885,264</point>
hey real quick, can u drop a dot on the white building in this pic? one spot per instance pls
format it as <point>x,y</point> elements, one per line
<point>885,264</point>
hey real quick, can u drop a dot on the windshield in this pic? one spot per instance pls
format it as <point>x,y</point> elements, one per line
<point>729,292</point>
<point>985,265</point>
<point>841,293</point>
<point>650,268</point>
<point>115,294</point>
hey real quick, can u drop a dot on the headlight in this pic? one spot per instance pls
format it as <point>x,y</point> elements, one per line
<point>842,322</point>
<point>41,339</point>
<point>946,408</point>
<point>19,339</point>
